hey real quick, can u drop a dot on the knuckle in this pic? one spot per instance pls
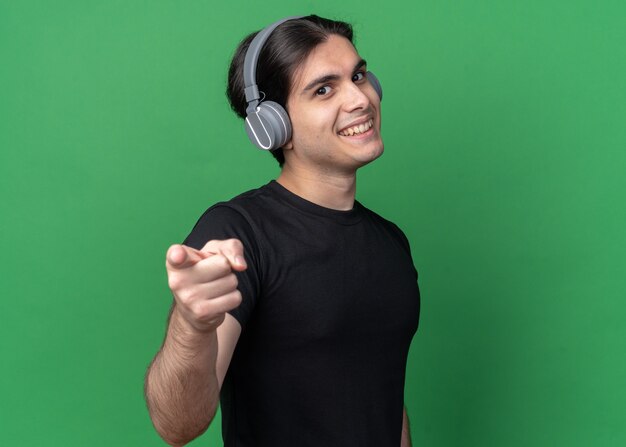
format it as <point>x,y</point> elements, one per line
<point>185,298</point>
<point>199,312</point>
<point>205,312</point>
<point>234,243</point>
<point>208,244</point>
<point>214,320</point>
<point>174,281</point>
<point>236,298</point>
<point>233,282</point>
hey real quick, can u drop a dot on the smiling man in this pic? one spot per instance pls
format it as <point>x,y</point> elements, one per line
<point>294,305</point>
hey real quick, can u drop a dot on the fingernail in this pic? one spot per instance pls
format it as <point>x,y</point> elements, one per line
<point>240,260</point>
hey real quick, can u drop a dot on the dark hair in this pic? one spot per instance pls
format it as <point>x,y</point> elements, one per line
<point>286,48</point>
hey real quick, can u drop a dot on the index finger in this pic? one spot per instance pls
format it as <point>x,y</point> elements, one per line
<point>181,256</point>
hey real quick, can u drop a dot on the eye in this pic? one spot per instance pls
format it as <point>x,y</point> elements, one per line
<point>323,91</point>
<point>358,76</point>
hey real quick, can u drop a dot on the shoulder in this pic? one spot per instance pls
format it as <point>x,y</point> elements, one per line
<point>393,229</point>
<point>228,219</point>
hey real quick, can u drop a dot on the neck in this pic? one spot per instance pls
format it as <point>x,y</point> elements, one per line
<point>330,191</point>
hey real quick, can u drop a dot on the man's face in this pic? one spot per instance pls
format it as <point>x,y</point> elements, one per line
<point>334,111</point>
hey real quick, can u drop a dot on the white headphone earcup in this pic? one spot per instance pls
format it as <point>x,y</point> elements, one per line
<point>268,127</point>
<point>280,122</point>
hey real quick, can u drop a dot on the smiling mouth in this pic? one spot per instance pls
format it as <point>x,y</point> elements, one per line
<point>356,130</point>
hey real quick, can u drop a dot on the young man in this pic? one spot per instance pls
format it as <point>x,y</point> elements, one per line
<point>293,302</point>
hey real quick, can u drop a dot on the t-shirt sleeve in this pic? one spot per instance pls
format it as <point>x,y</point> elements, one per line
<point>224,222</point>
<point>405,243</point>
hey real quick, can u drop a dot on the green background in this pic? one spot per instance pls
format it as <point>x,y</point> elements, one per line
<point>504,124</point>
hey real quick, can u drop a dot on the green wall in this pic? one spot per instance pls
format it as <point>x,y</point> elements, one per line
<point>504,124</point>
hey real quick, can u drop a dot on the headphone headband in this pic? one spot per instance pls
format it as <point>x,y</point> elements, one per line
<point>252,57</point>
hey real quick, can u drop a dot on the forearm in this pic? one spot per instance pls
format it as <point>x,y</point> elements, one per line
<point>182,390</point>
<point>406,432</point>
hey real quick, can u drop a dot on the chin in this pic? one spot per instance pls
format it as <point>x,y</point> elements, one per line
<point>372,154</point>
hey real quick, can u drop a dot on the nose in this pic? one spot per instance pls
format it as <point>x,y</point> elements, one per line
<point>355,97</point>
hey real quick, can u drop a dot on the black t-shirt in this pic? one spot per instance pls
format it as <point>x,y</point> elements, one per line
<point>330,305</point>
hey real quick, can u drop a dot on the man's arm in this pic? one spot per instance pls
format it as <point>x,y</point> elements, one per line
<point>406,432</point>
<point>184,380</point>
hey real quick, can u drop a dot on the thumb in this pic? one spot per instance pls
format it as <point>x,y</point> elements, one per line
<point>231,249</point>
<point>181,257</point>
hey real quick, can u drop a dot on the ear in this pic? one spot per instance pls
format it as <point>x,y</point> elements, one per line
<point>288,146</point>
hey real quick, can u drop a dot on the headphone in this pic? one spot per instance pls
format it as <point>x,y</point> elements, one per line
<point>267,122</point>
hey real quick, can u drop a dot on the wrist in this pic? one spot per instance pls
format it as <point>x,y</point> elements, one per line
<point>186,341</point>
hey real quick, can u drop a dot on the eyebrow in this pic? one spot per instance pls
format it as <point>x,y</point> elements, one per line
<point>331,77</point>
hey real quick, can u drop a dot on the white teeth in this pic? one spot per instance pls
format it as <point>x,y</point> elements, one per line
<point>357,129</point>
